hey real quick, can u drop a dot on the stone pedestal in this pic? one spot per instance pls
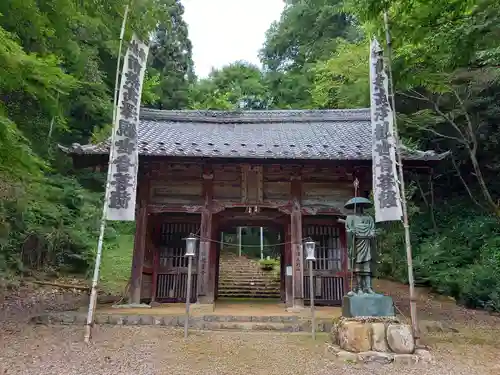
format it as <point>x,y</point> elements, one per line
<point>375,339</point>
<point>367,305</point>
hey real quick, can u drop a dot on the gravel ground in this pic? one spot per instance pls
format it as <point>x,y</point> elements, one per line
<point>58,350</point>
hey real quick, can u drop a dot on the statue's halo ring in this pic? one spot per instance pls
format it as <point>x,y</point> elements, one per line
<point>358,201</point>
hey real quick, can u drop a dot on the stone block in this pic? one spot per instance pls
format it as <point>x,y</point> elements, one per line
<point>101,319</point>
<point>158,321</point>
<point>355,336</point>
<point>400,338</point>
<point>81,319</point>
<point>367,305</point>
<point>376,357</point>
<point>379,343</point>
<point>332,349</point>
<point>117,319</point>
<point>68,318</point>
<point>423,355</point>
<point>147,320</point>
<point>334,332</point>
<point>170,320</point>
<point>405,359</point>
<point>133,320</point>
<point>347,356</point>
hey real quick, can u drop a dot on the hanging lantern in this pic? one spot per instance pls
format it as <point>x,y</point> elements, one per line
<point>190,245</point>
<point>310,246</point>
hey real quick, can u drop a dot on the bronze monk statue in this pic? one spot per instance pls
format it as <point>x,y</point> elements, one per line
<point>360,232</point>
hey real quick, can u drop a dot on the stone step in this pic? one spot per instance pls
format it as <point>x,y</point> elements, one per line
<point>249,286</point>
<point>249,293</point>
<point>246,294</point>
<point>238,293</point>
<point>243,278</point>
<point>248,282</point>
<point>240,275</point>
<point>207,322</point>
<point>240,269</point>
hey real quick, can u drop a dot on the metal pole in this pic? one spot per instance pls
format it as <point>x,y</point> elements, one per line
<point>188,297</point>
<point>311,291</point>
<point>95,279</point>
<point>261,243</point>
<point>409,256</point>
<point>239,241</point>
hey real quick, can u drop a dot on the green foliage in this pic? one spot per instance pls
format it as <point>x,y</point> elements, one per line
<point>307,32</point>
<point>236,86</point>
<point>171,60</point>
<point>57,76</point>
<point>460,258</point>
<point>51,224</point>
<point>343,80</point>
<point>269,264</point>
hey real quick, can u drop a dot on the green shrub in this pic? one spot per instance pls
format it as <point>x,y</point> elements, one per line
<point>269,264</point>
<point>460,259</point>
<point>50,223</point>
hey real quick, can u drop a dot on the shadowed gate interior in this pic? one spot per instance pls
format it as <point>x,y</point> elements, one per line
<point>239,252</point>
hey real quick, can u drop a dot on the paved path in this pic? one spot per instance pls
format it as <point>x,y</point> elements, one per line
<point>59,350</point>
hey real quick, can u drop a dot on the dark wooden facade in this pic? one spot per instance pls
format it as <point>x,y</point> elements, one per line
<point>179,198</point>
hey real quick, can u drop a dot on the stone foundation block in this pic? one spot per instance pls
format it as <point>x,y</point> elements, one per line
<point>376,339</point>
<point>355,336</point>
<point>420,355</point>
<point>400,338</point>
<point>405,359</point>
<point>379,342</point>
<point>376,357</point>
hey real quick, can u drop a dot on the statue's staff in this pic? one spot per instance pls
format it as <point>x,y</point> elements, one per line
<point>353,254</point>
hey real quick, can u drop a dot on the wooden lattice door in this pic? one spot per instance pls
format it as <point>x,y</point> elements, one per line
<point>328,269</point>
<point>173,265</point>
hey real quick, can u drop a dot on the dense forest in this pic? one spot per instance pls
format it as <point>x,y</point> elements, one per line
<point>57,73</point>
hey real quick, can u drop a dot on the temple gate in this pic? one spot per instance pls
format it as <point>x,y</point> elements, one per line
<point>201,172</point>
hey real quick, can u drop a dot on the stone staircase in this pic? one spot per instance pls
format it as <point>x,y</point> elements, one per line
<point>240,277</point>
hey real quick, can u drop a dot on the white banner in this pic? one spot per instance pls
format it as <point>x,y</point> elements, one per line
<point>386,193</point>
<point>124,161</point>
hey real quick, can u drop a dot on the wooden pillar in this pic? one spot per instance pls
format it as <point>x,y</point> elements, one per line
<point>206,289</point>
<point>288,267</point>
<point>156,255</point>
<point>139,249</point>
<point>346,273</point>
<point>296,240</point>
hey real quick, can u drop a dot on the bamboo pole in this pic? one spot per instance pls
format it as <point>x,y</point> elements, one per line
<point>95,279</point>
<point>409,256</point>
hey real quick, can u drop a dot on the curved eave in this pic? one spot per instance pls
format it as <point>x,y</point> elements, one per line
<point>103,149</point>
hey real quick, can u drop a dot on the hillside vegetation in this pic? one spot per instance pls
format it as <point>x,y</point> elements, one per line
<point>57,73</point>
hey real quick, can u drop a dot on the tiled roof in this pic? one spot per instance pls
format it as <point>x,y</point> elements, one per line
<point>280,134</point>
